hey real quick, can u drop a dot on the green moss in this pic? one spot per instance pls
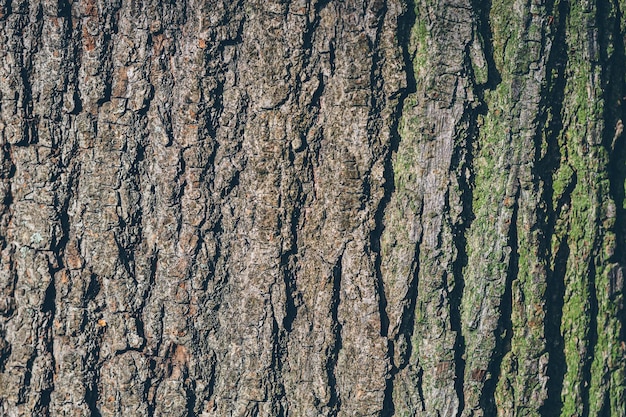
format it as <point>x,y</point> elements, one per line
<point>561,180</point>
<point>419,45</point>
<point>478,61</point>
<point>587,279</point>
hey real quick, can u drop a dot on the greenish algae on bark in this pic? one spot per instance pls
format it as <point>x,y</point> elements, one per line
<point>539,297</point>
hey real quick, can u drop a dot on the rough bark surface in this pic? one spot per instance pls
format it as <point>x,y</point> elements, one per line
<point>312,208</point>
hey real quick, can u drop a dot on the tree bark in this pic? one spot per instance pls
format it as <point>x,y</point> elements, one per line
<point>312,208</point>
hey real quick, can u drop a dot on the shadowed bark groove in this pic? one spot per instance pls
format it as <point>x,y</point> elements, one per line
<point>406,21</point>
<point>555,203</point>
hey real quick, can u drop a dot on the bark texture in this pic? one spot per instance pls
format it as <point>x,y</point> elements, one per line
<point>312,208</point>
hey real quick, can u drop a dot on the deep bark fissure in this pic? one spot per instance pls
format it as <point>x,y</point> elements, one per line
<point>5,351</point>
<point>190,391</point>
<point>289,280</point>
<point>406,21</point>
<point>610,46</point>
<point>7,171</point>
<point>92,377</point>
<point>289,258</point>
<point>44,401</point>
<point>406,329</point>
<point>93,288</point>
<point>555,279</point>
<point>483,11</point>
<point>334,403</point>
<point>455,297</point>
<point>615,115</point>
<point>48,305</point>
<point>388,406</point>
<point>149,387</point>
<point>461,163</point>
<point>555,344</point>
<point>591,336</point>
<point>63,216</point>
<point>617,161</point>
<point>289,273</point>
<point>374,125</point>
<point>504,330</point>
<point>126,257</point>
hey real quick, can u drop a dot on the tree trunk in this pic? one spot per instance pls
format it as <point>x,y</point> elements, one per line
<point>312,208</point>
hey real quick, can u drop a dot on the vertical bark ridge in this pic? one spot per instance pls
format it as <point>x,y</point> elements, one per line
<point>606,395</point>
<point>584,128</point>
<point>435,129</point>
<point>507,149</point>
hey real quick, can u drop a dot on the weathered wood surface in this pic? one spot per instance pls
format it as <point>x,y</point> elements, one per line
<point>312,208</point>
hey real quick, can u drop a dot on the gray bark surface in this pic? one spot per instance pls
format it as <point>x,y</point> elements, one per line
<point>312,208</point>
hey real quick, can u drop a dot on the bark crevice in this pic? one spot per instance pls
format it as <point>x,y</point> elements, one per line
<point>334,402</point>
<point>504,330</point>
<point>406,22</point>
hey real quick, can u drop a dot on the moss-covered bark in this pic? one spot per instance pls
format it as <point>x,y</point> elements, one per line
<point>530,312</point>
